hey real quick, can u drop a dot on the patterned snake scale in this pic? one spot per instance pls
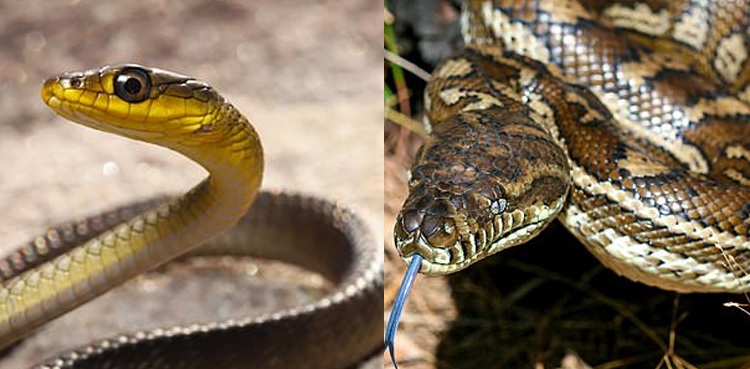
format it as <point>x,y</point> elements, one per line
<point>628,121</point>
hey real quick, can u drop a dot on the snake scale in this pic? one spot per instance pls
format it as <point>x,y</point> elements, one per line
<point>626,120</point>
<point>71,264</point>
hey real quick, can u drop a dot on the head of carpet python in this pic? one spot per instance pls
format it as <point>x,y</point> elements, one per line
<point>159,107</point>
<point>460,211</point>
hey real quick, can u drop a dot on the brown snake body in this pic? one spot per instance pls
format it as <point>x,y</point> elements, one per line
<point>629,120</point>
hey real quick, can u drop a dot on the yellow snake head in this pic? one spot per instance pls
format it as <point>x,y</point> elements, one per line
<point>142,103</point>
<point>159,107</point>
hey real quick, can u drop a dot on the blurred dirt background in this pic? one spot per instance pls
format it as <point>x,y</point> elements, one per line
<point>547,303</point>
<point>307,73</point>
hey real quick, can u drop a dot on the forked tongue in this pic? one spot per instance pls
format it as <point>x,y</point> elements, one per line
<point>398,305</point>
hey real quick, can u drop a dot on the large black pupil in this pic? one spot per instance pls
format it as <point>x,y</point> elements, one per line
<point>132,86</point>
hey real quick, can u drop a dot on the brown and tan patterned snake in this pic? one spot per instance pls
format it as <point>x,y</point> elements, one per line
<point>72,264</point>
<point>627,121</point>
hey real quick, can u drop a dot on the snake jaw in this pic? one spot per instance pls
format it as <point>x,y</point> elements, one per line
<point>469,241</point>
<point>77,113</point>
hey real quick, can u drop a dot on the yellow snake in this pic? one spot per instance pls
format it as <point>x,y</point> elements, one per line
<point>627,121</point>
<point>62,269</point>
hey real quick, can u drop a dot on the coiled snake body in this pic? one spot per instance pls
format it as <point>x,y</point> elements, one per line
<point>62,269</point>
<point>628,121</point>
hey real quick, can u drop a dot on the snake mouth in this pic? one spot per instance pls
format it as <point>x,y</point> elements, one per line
<point>470,245</point>
<point>443,260</point>
<point>77,113</point>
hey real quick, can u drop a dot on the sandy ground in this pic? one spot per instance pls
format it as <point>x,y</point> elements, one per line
<point>308,74</point>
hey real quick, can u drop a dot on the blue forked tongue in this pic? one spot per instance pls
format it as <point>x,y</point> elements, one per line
<point>398,305</point>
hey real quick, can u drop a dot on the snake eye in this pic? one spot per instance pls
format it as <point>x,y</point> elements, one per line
<point>132,85</point>
<point>76,82</point>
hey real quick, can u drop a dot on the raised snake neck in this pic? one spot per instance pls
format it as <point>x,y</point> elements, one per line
<point>59,271</point>
<point>629,120</point>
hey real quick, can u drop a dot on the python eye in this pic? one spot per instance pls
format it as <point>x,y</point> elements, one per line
<point>132,85</point>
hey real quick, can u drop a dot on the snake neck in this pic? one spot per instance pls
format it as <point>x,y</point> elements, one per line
<point>234,160</point>
<point>230,150</point>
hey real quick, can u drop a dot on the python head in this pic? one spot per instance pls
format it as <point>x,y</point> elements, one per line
<point>468,201</point>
